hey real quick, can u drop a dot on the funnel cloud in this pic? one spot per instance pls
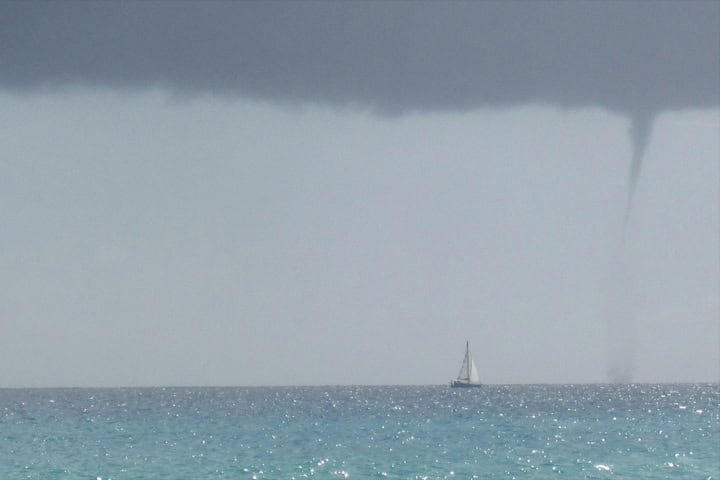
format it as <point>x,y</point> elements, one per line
<point>640,131</point>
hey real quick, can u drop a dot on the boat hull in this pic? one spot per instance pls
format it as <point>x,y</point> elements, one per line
<point>460,384</point>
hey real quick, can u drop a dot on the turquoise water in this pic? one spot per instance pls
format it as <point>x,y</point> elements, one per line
<point>428,432</point>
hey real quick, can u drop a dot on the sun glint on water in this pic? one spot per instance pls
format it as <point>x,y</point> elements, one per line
<point>424,432</point>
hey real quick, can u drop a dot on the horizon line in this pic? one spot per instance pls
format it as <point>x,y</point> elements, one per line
<point>147,387</point>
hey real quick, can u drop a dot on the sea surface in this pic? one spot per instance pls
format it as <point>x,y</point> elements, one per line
<point>403,432</point>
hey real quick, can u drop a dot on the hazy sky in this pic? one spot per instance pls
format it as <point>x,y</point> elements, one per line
<point>334,193</point>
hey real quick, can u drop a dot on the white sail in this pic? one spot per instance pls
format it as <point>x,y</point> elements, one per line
<point>474,377</point>
<point>464,374</point>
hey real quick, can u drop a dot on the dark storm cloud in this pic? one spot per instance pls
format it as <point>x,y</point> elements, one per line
<point>637,58</point>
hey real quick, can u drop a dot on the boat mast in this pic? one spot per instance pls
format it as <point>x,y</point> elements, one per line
<point>467,359</point>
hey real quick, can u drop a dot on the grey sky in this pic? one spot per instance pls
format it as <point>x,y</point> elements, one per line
<point>214,193</point>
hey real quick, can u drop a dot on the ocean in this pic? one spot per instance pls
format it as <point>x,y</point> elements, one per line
<point>395,432</point>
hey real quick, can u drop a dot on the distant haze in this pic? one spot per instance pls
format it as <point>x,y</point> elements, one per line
<point>314,192</point>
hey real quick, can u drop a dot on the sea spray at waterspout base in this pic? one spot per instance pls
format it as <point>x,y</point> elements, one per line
<point>622,302</point>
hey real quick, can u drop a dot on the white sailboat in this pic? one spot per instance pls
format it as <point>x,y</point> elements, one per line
<point>468,376</point>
